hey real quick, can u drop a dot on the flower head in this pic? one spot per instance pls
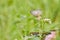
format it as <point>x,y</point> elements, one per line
<point>51,36</point>
<point>47,20</point>
<point>36,12</point>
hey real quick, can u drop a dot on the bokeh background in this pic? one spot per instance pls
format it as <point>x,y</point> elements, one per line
<point>16,20</point>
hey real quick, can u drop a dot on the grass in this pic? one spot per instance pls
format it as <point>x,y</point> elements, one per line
<point>16,20</point>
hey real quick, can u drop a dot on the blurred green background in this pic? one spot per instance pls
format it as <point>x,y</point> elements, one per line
<point>16,20</point>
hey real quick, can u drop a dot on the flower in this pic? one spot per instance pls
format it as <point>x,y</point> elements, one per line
<point>47,20</point>
<point>51,36</point>
<point>36,12</point>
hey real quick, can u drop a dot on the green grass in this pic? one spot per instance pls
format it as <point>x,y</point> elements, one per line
<point>16,20</point>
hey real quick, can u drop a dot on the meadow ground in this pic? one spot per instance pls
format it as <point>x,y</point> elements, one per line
<point>16,20</point>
